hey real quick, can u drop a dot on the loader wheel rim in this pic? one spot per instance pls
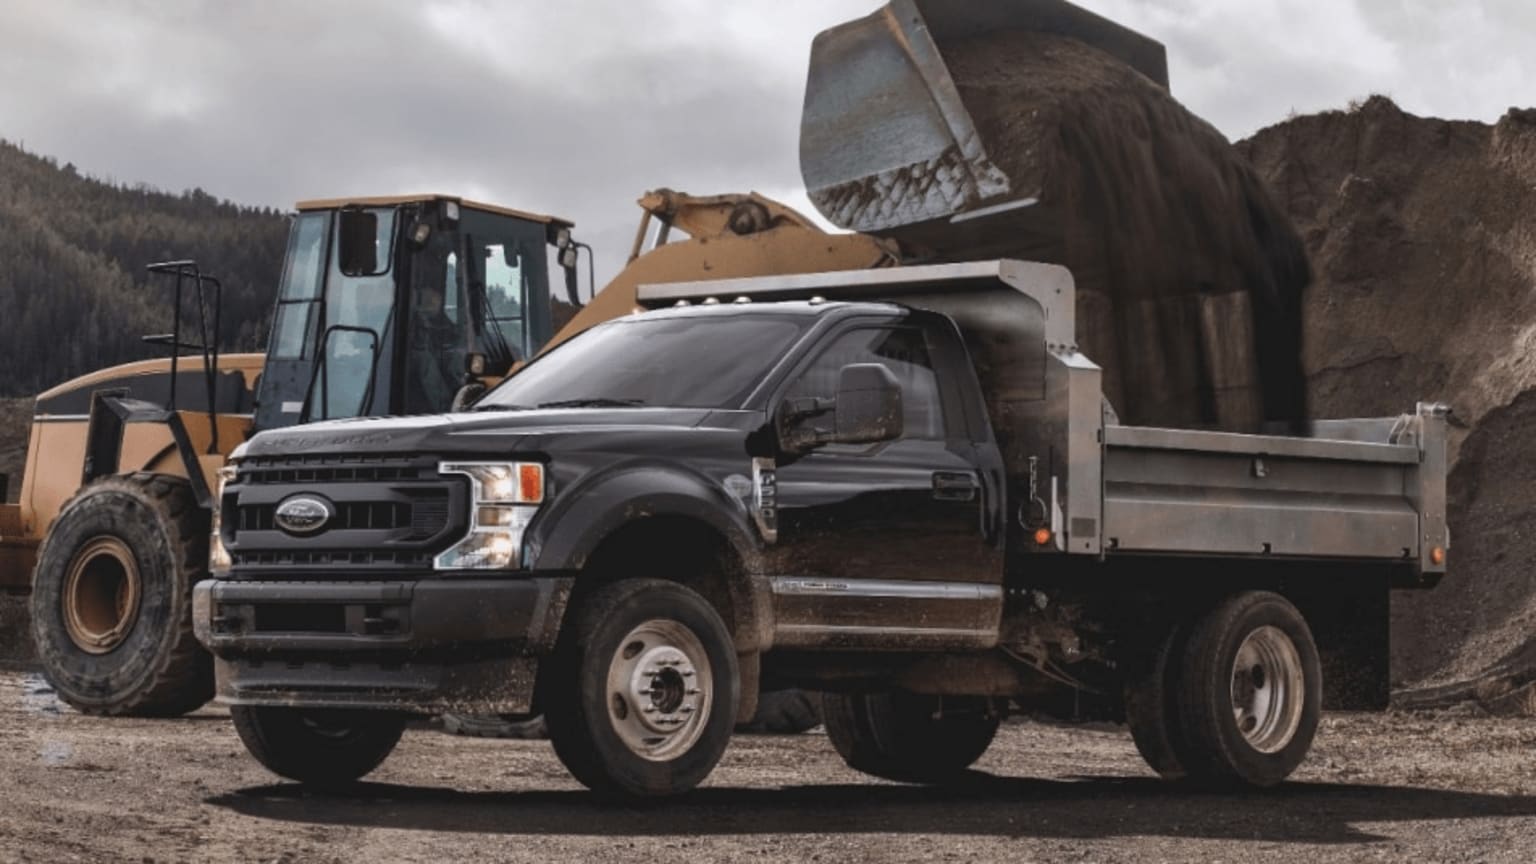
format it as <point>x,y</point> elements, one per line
<point>660,690</point>
<point>101,595</point>
<point>1268,689</point>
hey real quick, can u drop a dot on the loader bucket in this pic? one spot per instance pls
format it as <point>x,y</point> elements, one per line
<point>966,130</point>
<point>885,138</point>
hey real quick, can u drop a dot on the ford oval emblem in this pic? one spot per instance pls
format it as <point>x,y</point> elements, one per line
<point>303,514</point>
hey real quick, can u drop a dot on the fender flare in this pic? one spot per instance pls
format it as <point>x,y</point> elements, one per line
<point>564,538</point>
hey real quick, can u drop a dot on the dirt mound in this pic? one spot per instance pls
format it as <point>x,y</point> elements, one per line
<point>1424,251</point>
<point>1189,275</point>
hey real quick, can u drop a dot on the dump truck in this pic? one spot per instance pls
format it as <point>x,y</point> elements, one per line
<point>387,305</point>
<point>910,139</point>
<point>901,487</point>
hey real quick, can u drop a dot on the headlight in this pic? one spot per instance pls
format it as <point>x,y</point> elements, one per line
<point>503,498</point>
<point>218,556</point>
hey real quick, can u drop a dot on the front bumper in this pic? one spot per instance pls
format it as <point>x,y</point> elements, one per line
<point>427,645</point>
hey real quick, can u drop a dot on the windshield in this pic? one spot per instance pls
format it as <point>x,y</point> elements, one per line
<point>677,362</point>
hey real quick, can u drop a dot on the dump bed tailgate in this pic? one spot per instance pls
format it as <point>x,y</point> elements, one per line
<point>1369,489</point>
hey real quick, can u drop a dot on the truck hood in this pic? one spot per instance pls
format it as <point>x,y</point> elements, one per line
<point>478,433</point>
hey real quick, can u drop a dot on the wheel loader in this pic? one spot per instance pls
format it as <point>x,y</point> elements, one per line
<point>923,165</point>
<point>394,305</point>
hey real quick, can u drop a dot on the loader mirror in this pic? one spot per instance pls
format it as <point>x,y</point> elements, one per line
<point>868,408</point>
<point>358,238</point>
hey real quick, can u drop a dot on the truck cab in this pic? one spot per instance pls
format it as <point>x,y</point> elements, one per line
<point>903,488</point>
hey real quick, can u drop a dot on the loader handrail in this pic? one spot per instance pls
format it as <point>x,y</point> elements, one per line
<point>208,331</point>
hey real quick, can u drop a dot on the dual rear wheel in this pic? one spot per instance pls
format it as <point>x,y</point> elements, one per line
<point>1233,698</point>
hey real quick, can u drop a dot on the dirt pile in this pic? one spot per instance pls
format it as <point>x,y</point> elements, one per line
<point>1423,244</point>
<point>1189,275</point>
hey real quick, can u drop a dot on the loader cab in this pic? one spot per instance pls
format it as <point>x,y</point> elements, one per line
<point>393,306</point>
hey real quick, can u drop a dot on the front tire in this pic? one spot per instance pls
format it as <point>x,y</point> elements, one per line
<point>327,748</point>
<point>643,690</point>
<point>908,737</point>
<point>111,598</point>
<point>1250,691</point>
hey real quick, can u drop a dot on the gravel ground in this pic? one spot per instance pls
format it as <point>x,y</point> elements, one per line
<point>1393,787</point>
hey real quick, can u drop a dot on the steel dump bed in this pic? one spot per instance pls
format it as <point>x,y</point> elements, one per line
<point>1371,489</point>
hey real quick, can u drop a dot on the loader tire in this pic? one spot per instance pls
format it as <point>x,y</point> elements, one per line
<point>908,737</point>
<point>112,598</point>
<point>1250,692</point>
<point>496,726</point>
<point>322,748</point>
<point>783,712</point>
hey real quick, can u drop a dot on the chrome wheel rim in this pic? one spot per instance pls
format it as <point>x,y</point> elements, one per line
<point>101,595</point>
<point>1268,689</point>
<point>659,690</point>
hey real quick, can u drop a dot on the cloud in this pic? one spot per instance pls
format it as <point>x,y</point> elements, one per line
<point>576,108</point>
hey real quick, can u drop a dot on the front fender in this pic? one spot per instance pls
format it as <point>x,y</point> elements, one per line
<point>564,537</point>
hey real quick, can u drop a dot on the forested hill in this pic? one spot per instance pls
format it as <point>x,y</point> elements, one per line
<point>74,295</point>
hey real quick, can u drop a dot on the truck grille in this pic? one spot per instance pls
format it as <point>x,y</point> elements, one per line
<point>386,513</point>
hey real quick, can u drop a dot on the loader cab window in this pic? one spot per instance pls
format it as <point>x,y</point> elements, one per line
<point>507,281</point>
<point>359,317</point>
<point>299,293</point>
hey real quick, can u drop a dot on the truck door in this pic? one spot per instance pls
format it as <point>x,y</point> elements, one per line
<point>889,541</point>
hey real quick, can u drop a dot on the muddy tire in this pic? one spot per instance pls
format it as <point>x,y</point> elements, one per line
<point>112,597</point>
<point>908,737</point>
<point>784,712</point>
<point>1250,692</point>
<point>1151,704</point>
<point>327,748</point>
<point>642,691</point>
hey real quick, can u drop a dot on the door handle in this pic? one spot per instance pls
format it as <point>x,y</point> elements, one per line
<point>955,486</point>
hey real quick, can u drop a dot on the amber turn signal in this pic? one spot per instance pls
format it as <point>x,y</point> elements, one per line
<point>530,482</point>
<point>1437,556</point>
<point>1042,536</point>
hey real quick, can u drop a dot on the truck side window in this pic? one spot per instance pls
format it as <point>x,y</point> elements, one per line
<point>904,351</point>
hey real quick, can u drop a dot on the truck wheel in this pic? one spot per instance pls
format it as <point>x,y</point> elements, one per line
<point>908,737</point>
<point>1151,704</point>
<point>112,595</point>
<point>1250,691</point>
<point>320,747</point>
<point>643,690</point>
<point>783,712</point>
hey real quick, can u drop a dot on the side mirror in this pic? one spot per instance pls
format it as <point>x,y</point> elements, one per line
<point>869,407</point>
<point>358,254</point>
<point>866,410</point>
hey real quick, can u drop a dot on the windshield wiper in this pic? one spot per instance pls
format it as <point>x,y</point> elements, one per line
<point>598,402</point>
<point>497,407</point>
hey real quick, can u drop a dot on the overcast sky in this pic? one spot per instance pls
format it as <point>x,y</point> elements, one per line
<point>577,107</point>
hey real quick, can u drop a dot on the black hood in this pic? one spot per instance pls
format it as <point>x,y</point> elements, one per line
<point>486,432</point>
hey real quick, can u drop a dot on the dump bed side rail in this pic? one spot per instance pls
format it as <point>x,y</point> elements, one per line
<point>1168,491</point>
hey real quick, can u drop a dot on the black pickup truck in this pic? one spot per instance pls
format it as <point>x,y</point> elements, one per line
<point>902,488</point>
